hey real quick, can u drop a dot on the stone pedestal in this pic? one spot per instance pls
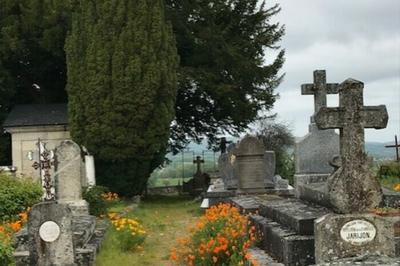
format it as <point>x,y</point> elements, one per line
<point>50,235</point>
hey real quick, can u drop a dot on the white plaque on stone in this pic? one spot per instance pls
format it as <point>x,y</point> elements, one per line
<point>49,231</point>
<point>358,232</point>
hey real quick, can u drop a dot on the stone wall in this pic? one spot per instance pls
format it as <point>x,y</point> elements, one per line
<point>24,140</point>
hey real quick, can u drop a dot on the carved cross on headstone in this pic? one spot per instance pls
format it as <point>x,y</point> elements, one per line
<point>396,146</point>
<point>198,162</point>
<point>352,188</point>
<point>319,89</point>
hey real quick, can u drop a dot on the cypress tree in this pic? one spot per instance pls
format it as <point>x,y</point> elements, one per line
<point>121,62</point>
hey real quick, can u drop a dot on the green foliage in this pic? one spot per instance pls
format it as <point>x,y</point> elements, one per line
<point>225,79</point>
<point>6,253</point>
<point>278,137</point>
<point>16,195</point>
<point>32,39</point>
<point>97,203</point>
<point>122,62</point>
<point>389,168</point>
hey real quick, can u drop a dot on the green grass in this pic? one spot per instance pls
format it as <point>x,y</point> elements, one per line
<point>165,218</point>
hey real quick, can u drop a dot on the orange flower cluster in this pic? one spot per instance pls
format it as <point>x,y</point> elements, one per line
<point>109,196</point>
<point>397,187</point>
<point>9,228</point>
<point>221,237</point>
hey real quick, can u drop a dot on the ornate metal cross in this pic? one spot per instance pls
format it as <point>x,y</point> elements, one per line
<point>198,162</point>
<point>44,164</point>
<point>396,146</point>
<point>319,89</point>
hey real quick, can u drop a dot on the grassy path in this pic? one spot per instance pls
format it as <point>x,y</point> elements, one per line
<point>165,218</point>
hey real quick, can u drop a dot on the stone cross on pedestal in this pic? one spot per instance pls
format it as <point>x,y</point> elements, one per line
<point>198,162</point>
<point>319,89</point>
<point>396,146</point>
<point>352,188</point>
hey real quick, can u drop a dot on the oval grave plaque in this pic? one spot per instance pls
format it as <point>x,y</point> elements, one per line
<point>49,231</point>
<point>358,232</point>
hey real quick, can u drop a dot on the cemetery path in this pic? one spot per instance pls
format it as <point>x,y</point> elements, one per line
<point>165,219</point>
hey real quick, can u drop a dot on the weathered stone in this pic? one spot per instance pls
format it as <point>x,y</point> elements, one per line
<point>262,258</point>
<point>69,177</point>
<point>293,214</point>
<point>253,166</point>
<point>46,249</point>
<point>225,166</point>
<point>285,245</point>
<point>315,150</point>
<point>352,188</point>
<point>351,235</point>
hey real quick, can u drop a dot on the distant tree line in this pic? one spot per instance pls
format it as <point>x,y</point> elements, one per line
<point>140,74</point>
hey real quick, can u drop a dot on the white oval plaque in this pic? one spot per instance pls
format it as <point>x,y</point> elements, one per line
<point>358,232</point>
<point>49,231</point>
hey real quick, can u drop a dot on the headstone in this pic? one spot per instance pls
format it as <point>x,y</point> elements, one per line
<point>225,167</point>
<point>315,150</point>
<point>68,177</point>
<point>50,234</point>
<point>352,187</point>
<point>250,166</point>
<point>355,235</point>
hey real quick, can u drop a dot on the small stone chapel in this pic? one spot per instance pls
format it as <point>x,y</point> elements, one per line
<point>30,122</point>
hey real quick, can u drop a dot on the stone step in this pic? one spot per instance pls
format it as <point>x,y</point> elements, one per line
<point>295,214</point>
<point>284,244</point>
<point>251,203</point>
<point>364,260</point>
<point>314,193</point>
<point>262,258</point>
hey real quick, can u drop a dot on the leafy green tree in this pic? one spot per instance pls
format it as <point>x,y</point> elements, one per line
<point>225,80</point>
<point>122,61</point>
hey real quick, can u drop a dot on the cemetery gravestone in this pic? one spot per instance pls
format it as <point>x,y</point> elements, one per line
<point>249,165</point>
<point>225,167</point>
<point>315,150</point>
<point>352,188</point>
<point>68,177</point>
<point>50,235</point>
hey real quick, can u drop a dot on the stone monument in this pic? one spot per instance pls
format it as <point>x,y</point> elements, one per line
<point>69,177</point>
<point>50,235</point>
<point>225,167</point>
<point>250,165</point>
<point>352,187</point>
<point>315,150</point>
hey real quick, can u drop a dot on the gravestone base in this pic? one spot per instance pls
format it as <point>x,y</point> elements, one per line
<point>87,236</point>
<point>351,235</point>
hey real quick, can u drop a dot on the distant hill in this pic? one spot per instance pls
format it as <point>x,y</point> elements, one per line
<point>374,149</point>
<point>379,152</point>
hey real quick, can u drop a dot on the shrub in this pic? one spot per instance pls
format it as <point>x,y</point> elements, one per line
<point>390,168</point>
<point>16,195</point>
<point>6,250</point>
<point>221,237</point>
<point>129,232</point>
<point>97,202</point>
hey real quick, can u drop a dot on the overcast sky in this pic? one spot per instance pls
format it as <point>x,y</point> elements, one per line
<point>358,39</point>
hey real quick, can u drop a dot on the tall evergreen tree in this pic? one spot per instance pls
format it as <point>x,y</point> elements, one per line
<point>226,77</point>
<point>122,61</point>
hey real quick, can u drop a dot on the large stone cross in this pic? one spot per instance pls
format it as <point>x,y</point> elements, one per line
<point>352,188</point>
<point>319,89</point>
